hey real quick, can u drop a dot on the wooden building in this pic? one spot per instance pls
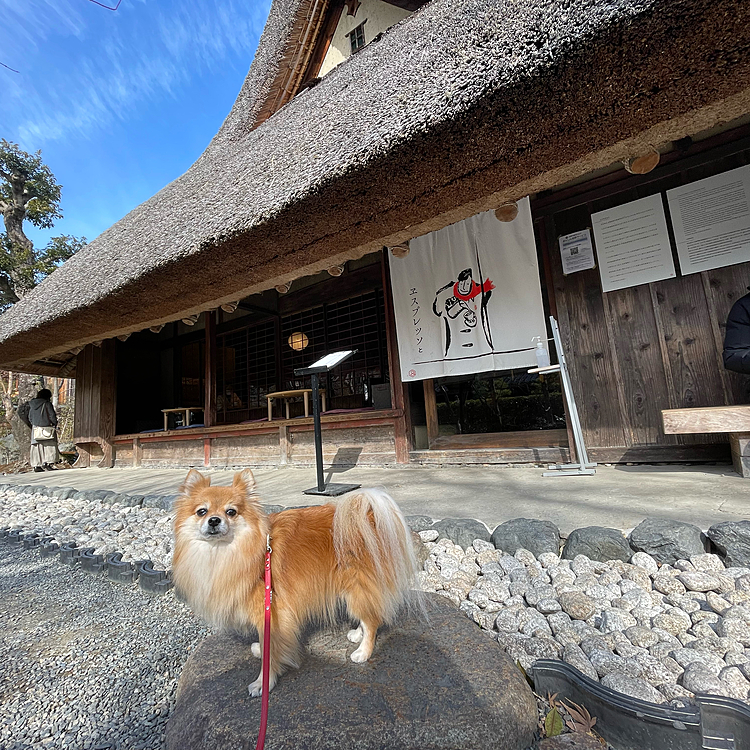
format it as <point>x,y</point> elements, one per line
<point>360,126</point>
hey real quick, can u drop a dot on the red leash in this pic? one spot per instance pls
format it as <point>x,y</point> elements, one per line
<point>266,651</point>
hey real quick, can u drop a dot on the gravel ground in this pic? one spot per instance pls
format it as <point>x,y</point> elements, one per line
<point>86,663</point>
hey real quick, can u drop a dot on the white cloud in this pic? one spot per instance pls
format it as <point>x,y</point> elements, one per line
<point>83,66</point>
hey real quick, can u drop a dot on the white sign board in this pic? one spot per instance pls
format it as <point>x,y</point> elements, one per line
<point>711,221</point>
<point>467,298</point>
<point>632,244</point>
<point>576,251</point>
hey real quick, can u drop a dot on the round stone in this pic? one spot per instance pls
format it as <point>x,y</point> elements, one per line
<point>697,679</point>
<point>667,541</point>
<point>736,684</point>
<point>577,605</point>
<point>640,636</point>
<point>574,656</point>
<point>668,585</point>
<point>634,687</point>
<point>213,710</point>
<point>597,543</point>
<point>738,630</point>
<point>697,581</point>
<point>548,606</point>
<point>645,561</point>
<point>617,619</point>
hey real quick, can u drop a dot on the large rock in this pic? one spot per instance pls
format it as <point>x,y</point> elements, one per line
<point>597,543</point>
<point>442,684</point>
<point>527,533</point>
<point>667,541</point>
<point>462,531</point>
<point>732,539</point>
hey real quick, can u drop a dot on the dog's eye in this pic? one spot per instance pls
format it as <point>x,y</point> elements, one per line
<point>201,512</point>
<point>231,512</point>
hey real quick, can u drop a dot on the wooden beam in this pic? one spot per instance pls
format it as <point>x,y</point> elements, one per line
<point>209,399</point>
<point>430,409</point>
<point>706,419</point>
<point>507,440</point>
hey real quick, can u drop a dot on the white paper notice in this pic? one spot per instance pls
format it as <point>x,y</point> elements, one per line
<point>632,244</point>
<point>576,251</point>
<point>711,221</point>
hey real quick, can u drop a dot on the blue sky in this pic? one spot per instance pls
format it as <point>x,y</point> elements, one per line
<point>123,102</point>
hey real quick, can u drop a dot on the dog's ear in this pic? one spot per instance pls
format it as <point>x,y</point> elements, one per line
<point>244,481</point>
<point>194,481</point>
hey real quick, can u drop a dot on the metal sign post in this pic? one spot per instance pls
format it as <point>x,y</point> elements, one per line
<point>323,365</point>
<point>584,466</point>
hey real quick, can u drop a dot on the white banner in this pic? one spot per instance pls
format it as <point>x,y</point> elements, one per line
<point>468,299</point>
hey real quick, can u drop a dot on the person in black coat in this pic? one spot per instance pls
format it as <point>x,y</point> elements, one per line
<point>737,338</point>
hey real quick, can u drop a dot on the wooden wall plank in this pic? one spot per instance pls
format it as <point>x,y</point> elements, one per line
<point>685,318</point>
<point>644,382</point>
<point>581,318</point>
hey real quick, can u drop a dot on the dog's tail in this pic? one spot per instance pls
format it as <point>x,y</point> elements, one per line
<point>370,522</point>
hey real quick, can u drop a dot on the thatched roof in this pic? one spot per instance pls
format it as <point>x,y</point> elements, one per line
<point>461,105</point>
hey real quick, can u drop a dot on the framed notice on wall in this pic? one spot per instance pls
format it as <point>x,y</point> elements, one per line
<point>632,244</point>
<point>711,221</point>
<point>576,251</point>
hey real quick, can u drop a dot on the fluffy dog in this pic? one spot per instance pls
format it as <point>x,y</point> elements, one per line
<point>358,552</point>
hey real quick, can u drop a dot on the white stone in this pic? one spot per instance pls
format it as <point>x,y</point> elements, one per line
<point>645,561</point>
<point>548,606</point>
<point>697,581</point>
<point>736,684</point>
<point>617,619</point>
<point>707,563</point>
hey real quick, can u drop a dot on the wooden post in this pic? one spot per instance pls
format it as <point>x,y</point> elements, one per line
<point>399,392</point>
<point>209,402</point>
<point>430,408</point>
<point>137,452</point>
<point>285,447</point>
<point>207,451</point>
<point>107,403</point>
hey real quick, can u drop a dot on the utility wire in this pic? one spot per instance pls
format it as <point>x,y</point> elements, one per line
<point>96,2</point>
<point>106,6</point>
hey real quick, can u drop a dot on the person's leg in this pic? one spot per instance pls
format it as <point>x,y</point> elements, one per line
<point>35,457</point>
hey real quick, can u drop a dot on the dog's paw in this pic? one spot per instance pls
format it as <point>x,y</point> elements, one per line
<point>255,650</point>
<point>356,635</point>
<point>255,688</point>
<point>360,655</point>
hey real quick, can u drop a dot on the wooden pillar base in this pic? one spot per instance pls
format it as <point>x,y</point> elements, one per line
<point>740,445</point>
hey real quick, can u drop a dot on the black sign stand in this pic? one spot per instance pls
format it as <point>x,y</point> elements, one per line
<point>325,364</point>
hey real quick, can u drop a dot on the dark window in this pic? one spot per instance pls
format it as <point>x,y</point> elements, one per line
<point>245,372</point>
<point>356,323</point>
<point>246,362</point>
<point>357,37</point>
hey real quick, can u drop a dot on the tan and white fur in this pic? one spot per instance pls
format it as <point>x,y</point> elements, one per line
<point>358,552</point>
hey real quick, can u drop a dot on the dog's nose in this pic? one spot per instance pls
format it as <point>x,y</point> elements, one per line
<point>214,521</point>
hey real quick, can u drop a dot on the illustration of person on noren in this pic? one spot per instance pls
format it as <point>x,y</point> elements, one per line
<point>462,304</point>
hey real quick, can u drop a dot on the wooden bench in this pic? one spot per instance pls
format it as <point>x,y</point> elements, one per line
<point>184,411</point>
<point>734,420</point>
<point>285,396</point>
